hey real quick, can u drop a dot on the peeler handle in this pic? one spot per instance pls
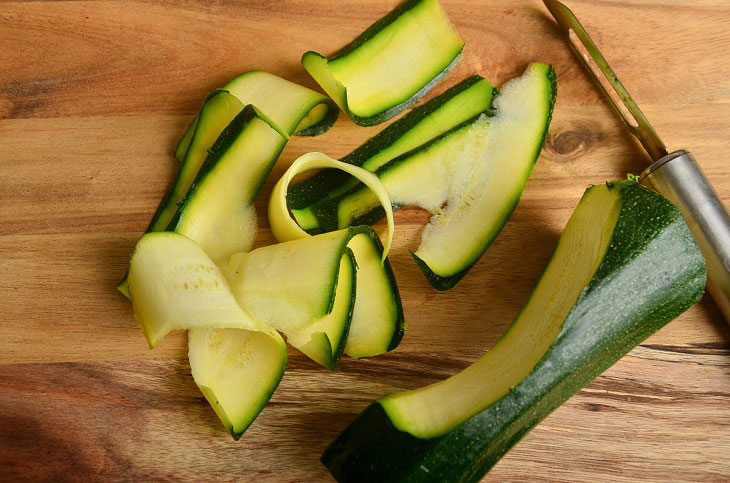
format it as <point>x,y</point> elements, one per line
<point>678,177</point>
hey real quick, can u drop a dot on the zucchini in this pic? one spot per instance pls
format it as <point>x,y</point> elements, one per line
<point>391,65</point>
<point>218,210</point>
<point>237,361</point>
<point>285,106</point>
<point>461,103</point>
<point>377,321</point>
<point>469,177</point>
<point>174,285</point>
<point>625,265</point>
<point>237,371</point>
<point>182,146</point>
<point>304,288</point>
<point>288,107</point>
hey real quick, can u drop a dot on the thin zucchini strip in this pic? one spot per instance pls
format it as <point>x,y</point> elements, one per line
<point>470,178</point>
<point>285,106</point>
<point>218,211</point>
<point>625,265</point>
<point>377,322</point>
<point>182,146</point>
<point>237,371</point>
<point>310,200</point>
<point>236,361</point>
<point>284,228</point>
<point>304,288</point>
<point>391,65</point>
<point>174,285</point>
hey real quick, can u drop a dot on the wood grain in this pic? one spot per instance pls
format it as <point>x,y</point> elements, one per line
<point>93,96</point>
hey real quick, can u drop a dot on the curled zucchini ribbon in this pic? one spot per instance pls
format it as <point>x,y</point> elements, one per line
<point>283,225</point>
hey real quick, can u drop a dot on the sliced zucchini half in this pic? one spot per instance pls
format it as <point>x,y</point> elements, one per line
<point>237,371</point>
<point>470,178</point>
<point>285,106</point>
<point>625,265</point>
<point>377,322</point>
<point>391,65</point>
<point>461,103</point>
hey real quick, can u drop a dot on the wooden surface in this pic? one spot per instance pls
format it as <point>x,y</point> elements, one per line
<point>93,97</point>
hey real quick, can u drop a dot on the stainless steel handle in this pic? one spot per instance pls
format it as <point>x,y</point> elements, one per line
<point>679,178</point>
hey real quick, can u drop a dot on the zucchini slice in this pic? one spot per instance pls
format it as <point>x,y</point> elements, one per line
<point>182,146</point>
<point>237,361</point>
<point>470,178</point>
<point>237,371</point>
<point>285,104</point>
<point>304,288</point>
<point>377,321</point>
<point>391,65</point>
<point>218,210</point>
<point>174,285</point>
<point>461,103</point>
<point>625,265</point>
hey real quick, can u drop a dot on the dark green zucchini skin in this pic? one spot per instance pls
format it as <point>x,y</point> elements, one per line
<point>318,186</point>
<point>651,273</point>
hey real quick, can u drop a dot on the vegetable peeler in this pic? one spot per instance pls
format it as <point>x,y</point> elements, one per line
<point>676,175</point>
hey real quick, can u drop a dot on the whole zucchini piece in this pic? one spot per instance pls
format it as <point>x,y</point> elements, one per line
<point>391,65</point>
<point>625,265</point>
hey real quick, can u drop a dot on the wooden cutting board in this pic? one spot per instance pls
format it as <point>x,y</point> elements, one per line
<point>93,97</point>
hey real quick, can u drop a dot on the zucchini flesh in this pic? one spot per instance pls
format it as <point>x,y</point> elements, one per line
<point>470,178</point>
<point>324,340</point>
<point>463,102</point>
<point>391,65</point>
<point>174,285</point>
<point>377,321</point>
<point>237,371</point>
<point>237,361</point>
<point>304,288</point>
<point>625,265</point>
<point>290,283</point>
